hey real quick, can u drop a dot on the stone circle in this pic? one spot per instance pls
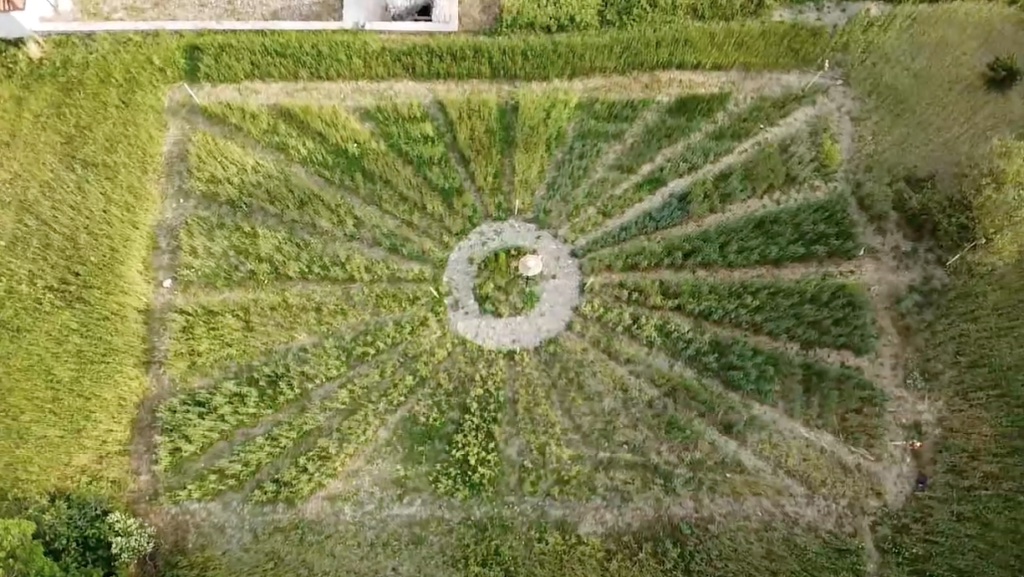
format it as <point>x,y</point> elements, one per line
<point>559,288</point>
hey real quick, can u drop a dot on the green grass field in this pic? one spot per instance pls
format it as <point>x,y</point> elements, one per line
<point>727,397</point>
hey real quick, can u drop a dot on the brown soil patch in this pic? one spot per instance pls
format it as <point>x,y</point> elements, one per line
<point>478,15</point>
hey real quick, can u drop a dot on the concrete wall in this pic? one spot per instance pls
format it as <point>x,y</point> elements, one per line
<point>37,14</point>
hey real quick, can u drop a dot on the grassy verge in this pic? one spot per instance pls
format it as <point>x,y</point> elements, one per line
<point>974,508</point>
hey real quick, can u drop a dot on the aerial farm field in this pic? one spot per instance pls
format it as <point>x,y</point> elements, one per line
<point>321,343</point>
<point>607,318</point>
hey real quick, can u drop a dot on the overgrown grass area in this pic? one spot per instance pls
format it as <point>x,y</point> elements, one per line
<point>79,189</point>
<point>974,506</point>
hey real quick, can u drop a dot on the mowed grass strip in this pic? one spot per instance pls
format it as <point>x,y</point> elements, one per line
<point>211,333</point>
<point>597,125</point>
<point>392,386</point>
<point>809,231</point>
<point>837,399</point>
<point>409,132</point>
<point>814,312</point>
<point>542,121</point>
<point>761,113</point>
<point>484,129</point>
<point>193,420</point>
<point>222,252</point>
<point>352,394</point>
<point>228,174</point>
<point>807,157</point>
<point>337,147</point>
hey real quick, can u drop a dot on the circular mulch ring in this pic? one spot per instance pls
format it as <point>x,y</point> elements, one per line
<point>559,288</point>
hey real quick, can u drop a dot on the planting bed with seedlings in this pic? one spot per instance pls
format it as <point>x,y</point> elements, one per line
<point>596,300</point>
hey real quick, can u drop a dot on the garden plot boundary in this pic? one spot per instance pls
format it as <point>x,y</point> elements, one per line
<point>883,277</point>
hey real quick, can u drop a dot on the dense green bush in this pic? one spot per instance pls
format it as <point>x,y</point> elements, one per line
<point>225,58</point>
<point>1003,72</point>
<point>20,554</point>
<point>72,535</point>
<point>550,15</point>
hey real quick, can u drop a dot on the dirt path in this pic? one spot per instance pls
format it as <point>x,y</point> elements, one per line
<point>175,206</point>
<point>863,270</point>
<point>787,127</point>
<point>362,93</point>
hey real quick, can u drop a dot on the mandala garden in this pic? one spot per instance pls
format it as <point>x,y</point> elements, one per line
<point>350,310</point>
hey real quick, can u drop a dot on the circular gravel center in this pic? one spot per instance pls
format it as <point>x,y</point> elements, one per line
<point>559,288</point>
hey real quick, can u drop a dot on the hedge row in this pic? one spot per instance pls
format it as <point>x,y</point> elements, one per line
<point>583,15</point>
<point>237,57</point>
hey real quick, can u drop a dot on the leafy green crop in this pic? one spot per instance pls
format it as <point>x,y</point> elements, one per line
<point>336,147</point>
<point>598,125</point>
<point>224,173</point>
<point>211,332</point>
<point>779,166</point>
<point>192,421</point>
<point>837,399</point>
<point>542,119</point>
<point>409,131</point>
<point>815,312</point>
<point>222,252</point>
<point>680,118</point>
<point>484,130</point>
<point>807,231</point>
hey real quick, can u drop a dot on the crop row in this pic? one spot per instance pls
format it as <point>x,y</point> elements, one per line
<point>192,421</point>
<point>545,466</point>
<point>803,460</point>
<point>217,332</point>
<point>337,147</point>
<point>227,174</point>
<point>355,394</point>
<point>764,111</point>
<point>814,312</point>
<point>223,251</point>
<point>807,231</point>
<point>675,121</point>
<point>636,444</point>
<point>232,58</point>
<point>314,469</point>
<point>409,131</point>
<point>542,122</point>
<point>484,131</point>
<point>790,163</point>
<point>837,399</point>
<point>598,125</point>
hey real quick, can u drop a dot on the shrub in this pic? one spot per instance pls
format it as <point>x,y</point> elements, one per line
<point>1003,72</point>
<point>549,15</point>
<point>130,538</point>
<point>20,555</point>
<point>83,535</point>
<point>933,212</point>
